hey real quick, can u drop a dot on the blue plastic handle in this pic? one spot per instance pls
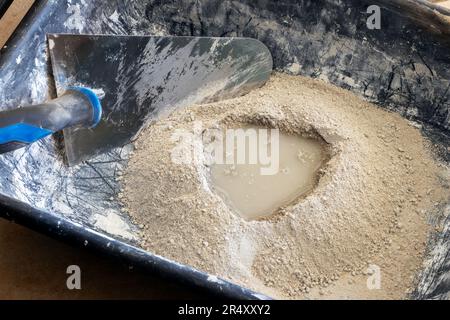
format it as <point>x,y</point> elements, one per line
<point>77,107</point>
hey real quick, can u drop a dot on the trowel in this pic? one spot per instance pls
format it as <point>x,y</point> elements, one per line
<point>110,87</point>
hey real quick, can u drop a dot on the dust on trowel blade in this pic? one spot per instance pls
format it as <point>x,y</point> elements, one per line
<point>360,233</point>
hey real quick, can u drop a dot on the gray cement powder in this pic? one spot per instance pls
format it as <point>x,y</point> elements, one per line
<point>369,209</point>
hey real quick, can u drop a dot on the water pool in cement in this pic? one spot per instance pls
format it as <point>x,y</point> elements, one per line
<point>266,170</point>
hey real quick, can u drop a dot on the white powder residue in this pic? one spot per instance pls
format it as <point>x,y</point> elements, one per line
<point>114,17</point>
<point>214,279</point>
<point>113,224</point>
<point>99,92</point>
<point>51,44</point>
<point>294,68</point>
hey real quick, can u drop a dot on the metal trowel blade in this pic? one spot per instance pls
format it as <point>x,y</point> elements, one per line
<point>141,78</point>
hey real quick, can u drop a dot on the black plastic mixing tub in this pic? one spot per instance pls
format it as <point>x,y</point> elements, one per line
<point>404,66</point>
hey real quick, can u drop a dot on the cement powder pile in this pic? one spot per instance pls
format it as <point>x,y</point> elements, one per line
<point>368,213</point>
